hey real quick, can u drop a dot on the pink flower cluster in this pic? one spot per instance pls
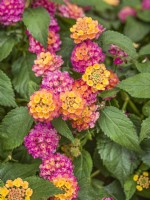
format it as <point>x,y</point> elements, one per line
<point>42,141</point>
<point>119,55</point>
<point>11,11</point>
<point>85,54</point>
<point>146,4</point>
<point>126,12</point>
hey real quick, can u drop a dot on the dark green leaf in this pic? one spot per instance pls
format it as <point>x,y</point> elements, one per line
<point>37,22</point>
<point>145,50</point>
<point>144,15</point>
<point>146,109</point>
<point>42,189</point>
<point>129,187</point>
<point>146,154</point>
<point>6,92</point>
<point>62,128</point>
<point>116,125</point>
<point>32,87</point>
<point>109,93</point>
<point>137,86</point>
<point>15,170</point>
<point>145,129</point>
<point>14,127</point>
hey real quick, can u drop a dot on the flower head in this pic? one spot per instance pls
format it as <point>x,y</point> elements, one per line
<point>11,11</point>
<point>69,184</point>
<point>97,76</point>
<point>113,80</point>
<point>86,54</point>
<point>58,82</point>
<point>70,10</point>
<point>146,5</point>
<point>54,165</point>
<point>48,5</point>
<point>72,104</point>
<point>16,190</point>
<point>143,181</point>
<point>44,105</point>
<point>87,92</point>
<point>112,2</point>
<point>86,28</point>
<point>42,140</point>
<point>46,62</point>
<point>88,118</point>
<point>126,12</point>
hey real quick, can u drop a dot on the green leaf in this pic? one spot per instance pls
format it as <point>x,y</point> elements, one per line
<point>145,129</point>
<point>11,171</point>
<point>116,125</point>
<point>83,165</point>
<point>37,22</point>
<point>143,67</point>
<point>144,15</point>
<point>62,128</point>
<point>6,92</point>
<point>6,45</point>
<point>14,127</point>
<point>118,160</point>
<point>146,109</point>
<point>129,187</point>
<point>137,86</point>
<point>22,72</point>
<point>145,50</point>
<point>32,87</point>
<point>1,183</point>
<point>146,154</point>
<point>136,30</point>
<point>42,189</point>
<point>112,37</point>
<point>109,93</point>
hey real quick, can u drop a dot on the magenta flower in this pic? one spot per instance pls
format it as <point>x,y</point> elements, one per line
<point>146,4</point>
<point>56,164</point>
<point>11,11</point>
<point>42,140</point>
<point>57,81</point>
<point>86,54</point>
<point>125,12</point>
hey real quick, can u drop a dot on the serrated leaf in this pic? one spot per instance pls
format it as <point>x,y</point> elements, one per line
<point>11,171</point>
<point>32,87</point>
<point>137,86</point>
<point>116,125</point>
<point>109,93</point>
<point>37,21</point>
<point>83,165</point>
<point>144,15</point>
<point>136,30</point>
<point>145,157</point>
<point>145,129</point>
<point>145,50</point>
<point>113,37</point>
<point>6,45</point>
<point>14,127</point>
<point>118,160</point>
<point>6,92</point>
<point>129,187</point>
<point>143,67</point>
<point>42,189</point>
<point>146,109</point>
<point>62,128</point>
<point>23,74</point>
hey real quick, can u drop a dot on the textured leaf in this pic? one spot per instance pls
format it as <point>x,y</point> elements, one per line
<point>37,22</point>
<point>22,72</point>
<point>14,127</point>
<point>145,50</point>
<point>62,127</point>
<point>146,109</point>
<point>145,130</point>
<point>136,30</point>
<point>32,87</point>
<point>143,67</point>
<point>129,187</point>
<point>14,170</point>
<point>83,165</point>
<point>42,189</point>
<point>146,154</point>
<point>112,37</point>
<point>109,93</point>
<point>6,45</point>
<point>116,125</point>
<point>137,86</point>
<point>118,160</point>
<point>144,15</point>
<point>6,91</point>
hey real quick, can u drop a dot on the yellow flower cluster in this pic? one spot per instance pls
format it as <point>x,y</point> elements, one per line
<point>112,2</point>
<point>85,28</point>
<point>16,190</point>
<point>43,106</point>
<point>72,104</point>
<point>97,76</point>
<point>143,181</point>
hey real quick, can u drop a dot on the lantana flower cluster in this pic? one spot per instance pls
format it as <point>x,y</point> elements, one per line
<point>17,189</point>
<point>142,180</point>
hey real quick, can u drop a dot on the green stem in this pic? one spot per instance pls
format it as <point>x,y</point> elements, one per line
<point>134,108</point>
<point>95,173</point>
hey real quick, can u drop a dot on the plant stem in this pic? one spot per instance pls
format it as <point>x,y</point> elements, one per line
<point>95,173</point>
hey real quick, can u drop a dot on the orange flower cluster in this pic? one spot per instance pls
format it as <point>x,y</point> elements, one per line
<point>113,80</point>
<point>85,28</point>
